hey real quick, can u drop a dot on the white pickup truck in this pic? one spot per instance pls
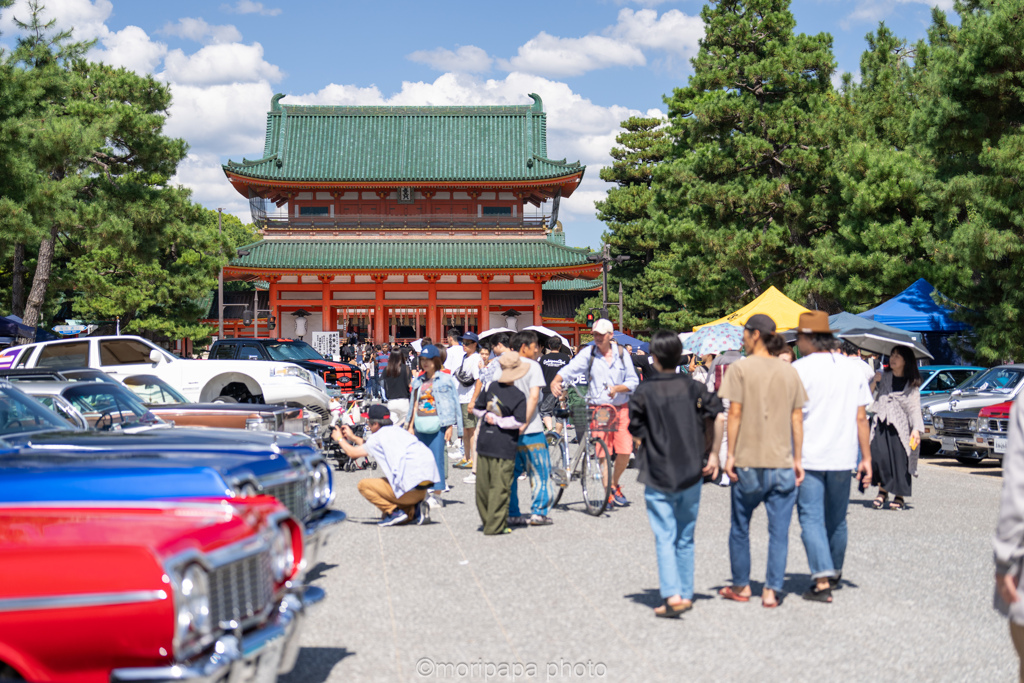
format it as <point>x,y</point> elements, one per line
<point>197,380</point>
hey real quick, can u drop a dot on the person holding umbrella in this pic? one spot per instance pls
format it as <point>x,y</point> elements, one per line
<point>896,429</point>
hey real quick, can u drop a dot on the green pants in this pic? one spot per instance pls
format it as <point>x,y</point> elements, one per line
<point>493,490</point>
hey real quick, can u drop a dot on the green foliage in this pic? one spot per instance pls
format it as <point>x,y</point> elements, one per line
<point>744,190</point>
<point>648,286</point>
<point>85,173</point>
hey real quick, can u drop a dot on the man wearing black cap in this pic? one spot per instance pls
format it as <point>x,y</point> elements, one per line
<point>763,459</point>
<point>467,379</point>
<point>408,465</point>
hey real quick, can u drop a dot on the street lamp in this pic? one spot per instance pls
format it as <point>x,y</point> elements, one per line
<point>606,259</point>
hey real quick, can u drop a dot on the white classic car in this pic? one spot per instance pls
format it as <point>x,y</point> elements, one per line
<point>198,380</point>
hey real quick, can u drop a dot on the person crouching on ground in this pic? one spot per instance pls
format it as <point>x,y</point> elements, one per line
<point>409,468</point>
<point>666,419</point>
<point>502,411</point>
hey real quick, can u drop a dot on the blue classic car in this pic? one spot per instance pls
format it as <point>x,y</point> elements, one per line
<point>286,466</point>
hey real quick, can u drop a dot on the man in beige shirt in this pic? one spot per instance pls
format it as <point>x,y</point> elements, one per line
<point>763,460</point>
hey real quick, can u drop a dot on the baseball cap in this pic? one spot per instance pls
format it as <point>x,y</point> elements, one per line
<point>603,326</point>
<point>470,336</point>
<point>378,413</point>
<point>430,351</point>
<point>759,322</point>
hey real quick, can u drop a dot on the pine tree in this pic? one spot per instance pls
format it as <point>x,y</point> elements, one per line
<point>743,191</point>
<point>647,281</point>
<point>971,120</point>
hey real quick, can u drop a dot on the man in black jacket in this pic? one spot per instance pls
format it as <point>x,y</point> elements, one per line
<point>667,417</point>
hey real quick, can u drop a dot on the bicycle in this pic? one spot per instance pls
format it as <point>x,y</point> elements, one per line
<point>582,460</point>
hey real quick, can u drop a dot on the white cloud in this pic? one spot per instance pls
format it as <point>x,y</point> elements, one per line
<point>549,55</point>
<point>250,7</point>
<point>466,59</point>
<point>86,17</point>
<point>220,64</point>
<point>876,10</point>
<point>673,32</point>
<point>198,30</point>
<point>131,48</point>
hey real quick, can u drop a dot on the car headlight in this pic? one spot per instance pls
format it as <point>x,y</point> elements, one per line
<point>926,416</point>
<point>320,485</point>
<point>973,425</point>
<point>293,371</point>
<point>194,604</point>
<point>938,423</point>
<point>282,554</point>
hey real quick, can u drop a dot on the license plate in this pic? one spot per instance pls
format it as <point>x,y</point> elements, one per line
<point>948,444</point>
<point>999,444</point>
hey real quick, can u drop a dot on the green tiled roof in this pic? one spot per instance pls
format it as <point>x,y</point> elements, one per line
<point>405,144</point>
<point>577,285</point>
<point>309,254</point>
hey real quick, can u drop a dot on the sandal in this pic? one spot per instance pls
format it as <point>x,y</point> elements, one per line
<point>729,594</point>
<point>814,594</point>
<point>672,611</point>
<point>898,503</point>
<point>879,501</point>
<point>778,601</point>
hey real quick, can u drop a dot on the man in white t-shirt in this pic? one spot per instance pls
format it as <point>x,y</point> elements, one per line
<point>533,447</point>
<point>467,378</point>
<point>835,423</point>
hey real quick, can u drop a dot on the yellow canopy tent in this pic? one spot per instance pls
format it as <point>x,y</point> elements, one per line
<point>773,303</point>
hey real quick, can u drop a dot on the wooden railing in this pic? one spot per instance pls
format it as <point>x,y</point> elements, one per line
<point>418,223</point>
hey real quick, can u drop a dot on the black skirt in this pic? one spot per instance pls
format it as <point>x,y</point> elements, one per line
<point>890,467</point>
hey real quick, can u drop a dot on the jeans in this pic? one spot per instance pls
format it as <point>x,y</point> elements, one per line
<point>776,488</point>
<point>821,506</point>
<point>435,442</point>
<point>532,455</point>
<point>673,517</point>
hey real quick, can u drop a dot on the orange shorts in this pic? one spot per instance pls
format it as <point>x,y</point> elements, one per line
<point>620,441</point>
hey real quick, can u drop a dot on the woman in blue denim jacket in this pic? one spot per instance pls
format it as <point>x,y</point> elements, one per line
<point>434,412</point>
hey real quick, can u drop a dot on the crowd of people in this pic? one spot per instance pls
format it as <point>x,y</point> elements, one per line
<point>785,426</point>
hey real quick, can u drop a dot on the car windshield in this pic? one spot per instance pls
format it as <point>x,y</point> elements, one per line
<point>105,405</point>
<point>296,350</point>
<point>996,380</point>
<point>153,391</point>
<point>20,414</point>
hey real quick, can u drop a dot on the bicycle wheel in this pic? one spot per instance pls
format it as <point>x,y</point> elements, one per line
<point>595,489</point>
<point>559,466</point>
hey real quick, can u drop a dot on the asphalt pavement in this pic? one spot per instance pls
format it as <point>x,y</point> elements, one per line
<point>573,601</point>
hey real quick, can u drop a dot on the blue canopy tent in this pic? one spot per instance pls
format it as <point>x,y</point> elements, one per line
<point>914,310</point>
<point>13,327</point>
<point>622,339</point>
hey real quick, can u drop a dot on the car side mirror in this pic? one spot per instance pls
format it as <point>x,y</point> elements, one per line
<point>155,357</point>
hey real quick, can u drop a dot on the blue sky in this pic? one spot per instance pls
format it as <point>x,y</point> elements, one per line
<point>595,63</point>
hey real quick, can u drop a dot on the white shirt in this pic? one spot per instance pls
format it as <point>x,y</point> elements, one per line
<point>403,458</point>
<point>471,366</point>
<point>836,388</point>
<point>454,359</point>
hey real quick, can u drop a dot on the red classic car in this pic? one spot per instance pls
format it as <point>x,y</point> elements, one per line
<point>993,425</point>
<point>149,591</point>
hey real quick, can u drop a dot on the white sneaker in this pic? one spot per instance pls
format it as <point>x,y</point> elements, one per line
<point>471,479</point>
<point>434,501</point>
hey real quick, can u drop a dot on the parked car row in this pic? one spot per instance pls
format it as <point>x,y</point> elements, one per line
<point>970,422</point>
<point>132,549</point>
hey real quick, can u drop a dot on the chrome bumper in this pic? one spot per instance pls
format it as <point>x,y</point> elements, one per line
<point>257,658</point>
<point>317,532</point>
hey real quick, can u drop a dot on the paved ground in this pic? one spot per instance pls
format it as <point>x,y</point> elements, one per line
<point>572,602</point>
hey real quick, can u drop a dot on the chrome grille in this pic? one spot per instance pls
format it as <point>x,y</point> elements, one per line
<point>956,424</point>
<point>241,590</point>
<point>1001,426</point>
<point>293,496</point>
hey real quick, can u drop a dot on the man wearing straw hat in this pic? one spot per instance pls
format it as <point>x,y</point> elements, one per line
<point>835,423</point>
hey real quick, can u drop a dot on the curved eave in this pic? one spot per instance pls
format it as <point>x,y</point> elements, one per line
<point>243,183</point>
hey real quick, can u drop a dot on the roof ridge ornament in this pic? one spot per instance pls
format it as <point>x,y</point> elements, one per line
<point>275,101</point>
<point>538,103</point>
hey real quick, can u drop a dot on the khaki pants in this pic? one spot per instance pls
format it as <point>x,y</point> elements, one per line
<point>379,492</point>
<point>1017,635</point>
<point>493,490</point>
